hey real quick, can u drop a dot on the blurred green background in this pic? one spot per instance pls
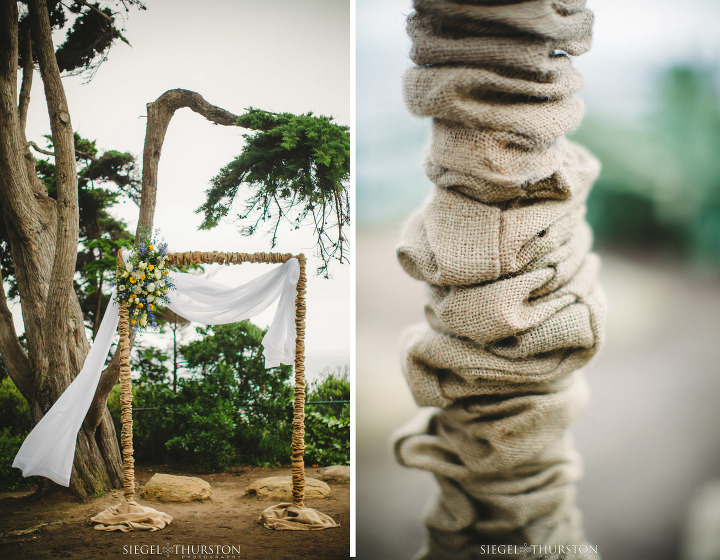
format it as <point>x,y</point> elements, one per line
<point>659,189</point>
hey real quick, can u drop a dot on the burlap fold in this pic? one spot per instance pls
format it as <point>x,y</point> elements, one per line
<point>287,517</point>
<point>130,516</point>
<point>513,307</point>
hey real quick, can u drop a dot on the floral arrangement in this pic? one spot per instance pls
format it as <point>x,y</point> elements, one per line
<point>142,285</point>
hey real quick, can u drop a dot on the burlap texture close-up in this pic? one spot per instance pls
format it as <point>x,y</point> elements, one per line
<point>513,307</point>
<point>130,516</point>
<point>288,517</point>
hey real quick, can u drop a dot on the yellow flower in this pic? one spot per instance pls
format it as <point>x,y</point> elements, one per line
<point>133,279</point>
<point>139,305</point>
<point>151,306</point>
<point>142,277</point>
<point>151,248</point>
<point>133,321</point>
<point>165,271</point>
<point>150,268</point>
<point>132,296</point>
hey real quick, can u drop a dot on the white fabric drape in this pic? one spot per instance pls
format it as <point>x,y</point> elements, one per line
<point>49,449</point>
<point>209,303</point>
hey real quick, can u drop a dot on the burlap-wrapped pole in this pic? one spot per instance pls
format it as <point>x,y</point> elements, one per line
<point>513,305</point>
<point>128,515</point>
<point>298,437</point>
<point>126,430</point>
<point>219,257</point>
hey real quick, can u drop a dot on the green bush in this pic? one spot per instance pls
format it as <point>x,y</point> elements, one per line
<point>10,477</point>
<point>327,426</point>
<point>206,435</point>
<point>15,424</point>
<point>641,199</point>
<point>14,409</point>
<point>251,406</point>
<point>327,439</point>
<point>230,410</point>
<point>153,421</point>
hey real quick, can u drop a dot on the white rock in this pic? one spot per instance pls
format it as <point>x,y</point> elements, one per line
<point>171,488</point>
<point>339,473</point>
<point>280,488</point>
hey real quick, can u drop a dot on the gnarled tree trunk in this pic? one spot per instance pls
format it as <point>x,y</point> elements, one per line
<point>42,236</point>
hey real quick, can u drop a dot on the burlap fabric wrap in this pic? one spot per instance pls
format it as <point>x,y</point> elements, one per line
<point>514,308</point>
<point>128,515</point>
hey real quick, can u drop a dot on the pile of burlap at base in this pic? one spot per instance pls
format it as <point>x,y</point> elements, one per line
<point>288,517</point>
<point>513,307</point>
<point>130,516</point>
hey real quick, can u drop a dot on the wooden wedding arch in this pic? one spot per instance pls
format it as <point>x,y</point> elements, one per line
<point>298,435</point>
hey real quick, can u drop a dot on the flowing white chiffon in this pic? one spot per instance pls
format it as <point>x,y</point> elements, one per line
<point>49,449</point>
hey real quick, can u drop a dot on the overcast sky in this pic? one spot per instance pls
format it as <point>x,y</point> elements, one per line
<point>274,55</point>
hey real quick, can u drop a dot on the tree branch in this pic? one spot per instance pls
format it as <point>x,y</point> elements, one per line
<point>17,191</point>
<point>40,150</point>
<point>96,10</point>
<point>37,148</point>
<point>13,355</point>
<point>23,105</point>
<point>27,76</point>
<point>62,310</point>
<point>63,270</point>
<point>159,114</point>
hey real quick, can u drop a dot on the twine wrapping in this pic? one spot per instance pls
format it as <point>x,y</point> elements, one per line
<point>126,432</point>
<point>298,437</point>
<point>199,257</point>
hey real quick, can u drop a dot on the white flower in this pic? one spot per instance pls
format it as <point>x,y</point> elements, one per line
<point>142,265</point>
<point>151,287</point>
<point>158,274</point>
<point>143,321</point>
<point>161,283</point>
<point>150,298</point>
<point>125,274</point>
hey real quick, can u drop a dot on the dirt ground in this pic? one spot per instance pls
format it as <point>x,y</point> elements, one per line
<point>55,526</point>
